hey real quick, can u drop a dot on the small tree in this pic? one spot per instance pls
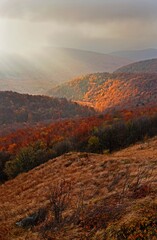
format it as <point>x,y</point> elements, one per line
<point>93,144</point>
<point>4,158</point>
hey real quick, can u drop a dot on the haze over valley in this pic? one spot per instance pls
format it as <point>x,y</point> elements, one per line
<point>38,72</point>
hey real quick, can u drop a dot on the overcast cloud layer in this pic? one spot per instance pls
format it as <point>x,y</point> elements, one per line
<point>99,25</point>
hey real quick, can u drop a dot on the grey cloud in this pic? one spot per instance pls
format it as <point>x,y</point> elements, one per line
<point>78,10</point>
<point>131,36</point>
<point>101,25</point>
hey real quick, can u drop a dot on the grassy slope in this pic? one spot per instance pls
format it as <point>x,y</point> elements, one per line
<point>29,191</point>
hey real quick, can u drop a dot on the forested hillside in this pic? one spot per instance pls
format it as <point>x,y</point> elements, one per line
<point>27,148</point>
<point>114,91</point>
<point>15,107</point>
<point>77,88</point>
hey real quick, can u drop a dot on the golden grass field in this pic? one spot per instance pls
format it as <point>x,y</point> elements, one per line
<point>119,193</point>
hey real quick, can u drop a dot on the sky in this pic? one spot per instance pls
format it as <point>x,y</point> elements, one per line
<point>95,25</point>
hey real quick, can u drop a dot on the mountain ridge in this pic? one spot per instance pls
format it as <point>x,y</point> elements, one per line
<point>38,72</point>
<point>137,55</point>
<point>105,91</point>
<point>146,66</point>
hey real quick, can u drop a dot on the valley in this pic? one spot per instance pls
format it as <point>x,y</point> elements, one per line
<point>78,157</point>
<point>78,120</point>
<point>37,72</point>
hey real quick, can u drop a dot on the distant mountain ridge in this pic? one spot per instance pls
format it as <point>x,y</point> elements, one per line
<point>38,72</point>
<point>63,64</point>
<point>137,55</point>
<point>147,66</point>
<point>21,75</point>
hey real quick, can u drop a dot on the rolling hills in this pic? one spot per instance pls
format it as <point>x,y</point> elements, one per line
<point>111,197</point>
<point>105,91</point>
<point>137,55</point>
<point>37,72</point>
<point>40,71</point>
<point>21,75</point>
<point>63,64</point>
<point>147,66</point>
<point>15,107</point>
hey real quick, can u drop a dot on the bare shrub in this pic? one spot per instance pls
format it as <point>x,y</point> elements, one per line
<point>127,185</point>
<point>60,198</point>
<point>65,208</point>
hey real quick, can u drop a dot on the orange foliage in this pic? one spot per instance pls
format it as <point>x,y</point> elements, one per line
<point>49,134</point>
<point>58,131</point>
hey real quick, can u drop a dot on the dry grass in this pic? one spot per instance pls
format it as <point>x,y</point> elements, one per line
<point>118,181</point>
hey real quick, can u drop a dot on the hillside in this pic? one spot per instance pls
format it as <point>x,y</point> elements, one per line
<point>15,107</point>
<point>147,66</point>
<point>24,149</point>
<point>77,88</point>
<point>109,197</point>
<point>111,91</point>
<point>63,64</point>
<point>137,55</point>
<point>37,72</point>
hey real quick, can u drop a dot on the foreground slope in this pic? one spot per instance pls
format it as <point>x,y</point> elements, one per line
<point>115,91</point>
<point>119,199</point>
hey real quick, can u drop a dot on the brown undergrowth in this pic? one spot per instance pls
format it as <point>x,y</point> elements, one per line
<point>104,197</point>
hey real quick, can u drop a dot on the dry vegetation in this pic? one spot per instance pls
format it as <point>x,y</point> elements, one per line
<point>104,197</point>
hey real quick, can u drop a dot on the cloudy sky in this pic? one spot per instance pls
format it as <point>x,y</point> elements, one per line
<point>97,25</point>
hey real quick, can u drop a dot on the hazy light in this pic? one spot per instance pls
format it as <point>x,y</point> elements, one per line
<point>99,25</point>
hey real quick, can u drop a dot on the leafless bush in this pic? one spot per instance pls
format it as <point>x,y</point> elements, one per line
<point>127,185</point>
<point>60,198</point>
<point>64,207</point>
